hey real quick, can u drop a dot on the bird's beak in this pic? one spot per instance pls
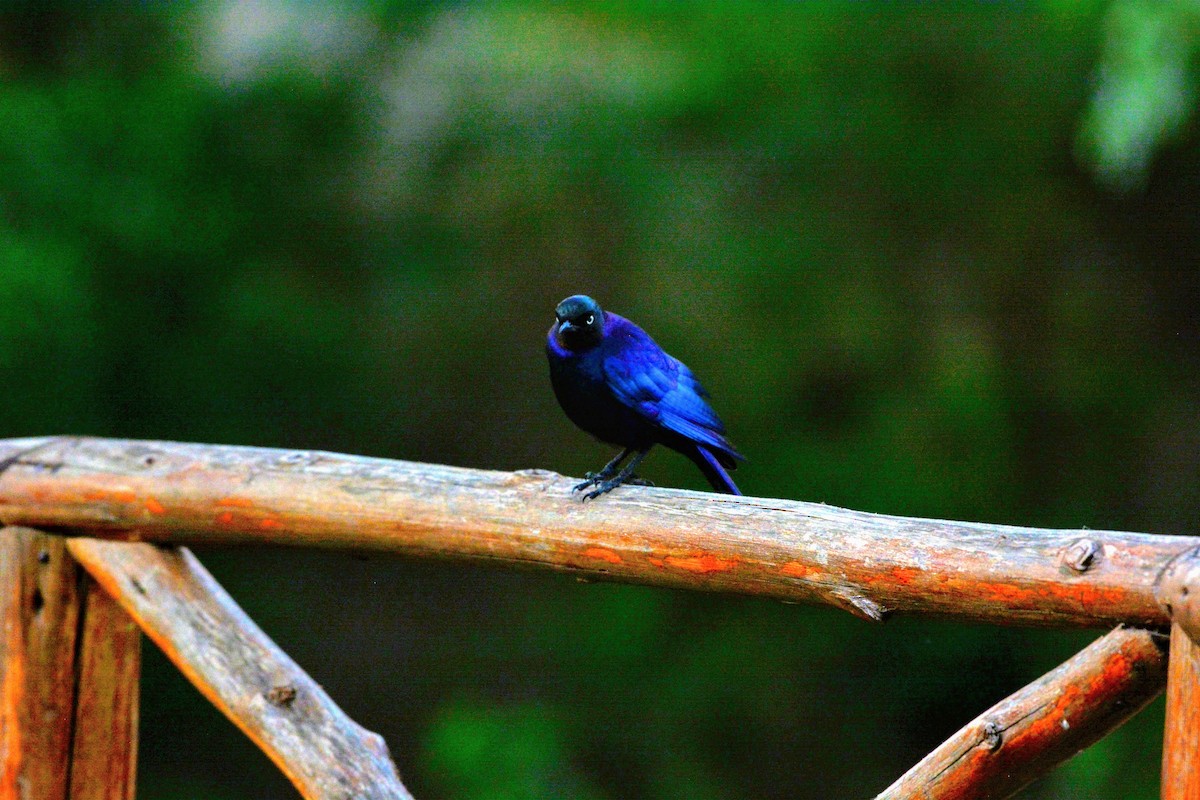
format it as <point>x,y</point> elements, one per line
<point>565,326</point>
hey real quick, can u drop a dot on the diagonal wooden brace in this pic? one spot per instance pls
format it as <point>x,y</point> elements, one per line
<point>199,627</point>
<point>1031,732</point>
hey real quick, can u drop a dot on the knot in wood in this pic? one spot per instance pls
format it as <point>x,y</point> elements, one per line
<point>993,736</point>
<point>1177,590</point>
<point>1082,554</point>
<point>282,695</point>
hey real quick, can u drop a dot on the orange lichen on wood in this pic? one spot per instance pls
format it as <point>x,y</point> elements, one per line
<point>1034,730</point>
<point>154,507</point>
<point>1085,594</point>
<point>701,564</point>
<point>905,575</point>
<point>108,495</point>
<point>795,569</point>
<point>603,554</point>
<point>238,502</point>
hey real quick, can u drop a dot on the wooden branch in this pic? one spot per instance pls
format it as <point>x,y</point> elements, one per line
<point>868,564</point>
<point>1031,732</point>
<point>39,604</point>
<point>241,671</point>
<point>1181,739</point>
<point>104,745</point>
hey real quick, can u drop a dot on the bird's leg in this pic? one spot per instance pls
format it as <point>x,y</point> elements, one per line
<point>609,470</point>
<point>605,486</point>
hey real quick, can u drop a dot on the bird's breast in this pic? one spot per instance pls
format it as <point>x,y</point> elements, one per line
<point>582,391</point>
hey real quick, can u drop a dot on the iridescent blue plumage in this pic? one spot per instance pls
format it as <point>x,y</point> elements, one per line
<point>616,383</point>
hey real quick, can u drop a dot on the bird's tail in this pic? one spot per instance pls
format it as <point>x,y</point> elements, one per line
<point>712,469</point>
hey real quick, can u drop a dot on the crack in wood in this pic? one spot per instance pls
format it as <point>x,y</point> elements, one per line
<point>992,736</point>
<point>19,458</point>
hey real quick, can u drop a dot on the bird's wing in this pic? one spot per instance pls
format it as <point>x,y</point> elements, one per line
<point>664,391</point>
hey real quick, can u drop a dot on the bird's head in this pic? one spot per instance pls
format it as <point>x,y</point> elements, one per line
<point>579,322</point>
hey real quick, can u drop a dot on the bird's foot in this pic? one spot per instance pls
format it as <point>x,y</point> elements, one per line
<point>592,479</point>
<point>606,486</point>
<point>603,487</point>
<point>608,478</point>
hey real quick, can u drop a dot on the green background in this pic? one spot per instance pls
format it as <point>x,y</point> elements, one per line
<point>930,259</point>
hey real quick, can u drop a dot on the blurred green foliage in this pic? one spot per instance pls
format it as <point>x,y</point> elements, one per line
<point>932,259</point>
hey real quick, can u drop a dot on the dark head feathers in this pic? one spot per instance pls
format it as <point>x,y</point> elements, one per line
<point>579,321</point>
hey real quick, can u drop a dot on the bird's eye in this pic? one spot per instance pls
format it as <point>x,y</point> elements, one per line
<point>590,319</point>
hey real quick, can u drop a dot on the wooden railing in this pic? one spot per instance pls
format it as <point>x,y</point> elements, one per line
<point>94,551</point>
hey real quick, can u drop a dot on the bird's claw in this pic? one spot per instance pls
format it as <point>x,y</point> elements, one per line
<point>603,487</point>
<point>591,479</point>
<point>606,486</point>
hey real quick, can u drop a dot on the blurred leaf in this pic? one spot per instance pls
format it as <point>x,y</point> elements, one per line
<point>1146,91</point>
<point>489,753</point>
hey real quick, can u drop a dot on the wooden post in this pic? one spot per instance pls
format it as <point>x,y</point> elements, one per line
<point>68,678</point>
<point>1178,593</point>
<point>1181,740</point>
<point>39,603</point>
<point>104,746</point>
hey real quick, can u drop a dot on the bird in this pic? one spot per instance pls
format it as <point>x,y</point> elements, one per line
<point>615,382</point>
